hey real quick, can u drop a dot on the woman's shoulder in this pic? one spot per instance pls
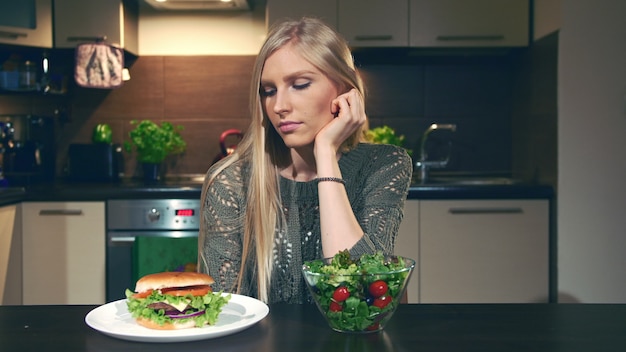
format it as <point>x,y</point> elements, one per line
<point>229,168</point>
<point>381,151</point>
<point>229,176</point>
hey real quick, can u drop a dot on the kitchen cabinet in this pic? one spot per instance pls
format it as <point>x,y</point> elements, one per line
<point>407,245</point>
<point>469,23</point>
<point>477,251</point>
<point>417,23</point>
<point>10,256</point>
<point>484,251</point>
<point>325,10</point>
<point>546,18</point>
<point>63,252</point>
<point>27,23</point>
<point>374,23</point>
<point>79,21</point>
<point>364,23</point>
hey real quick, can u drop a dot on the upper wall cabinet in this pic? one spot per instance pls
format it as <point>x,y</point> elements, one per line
<point>416,23</point>
<point>469,23</point>
<point>374,23</point>
<point>325,10</point>
<point>26,23</point>
<point>79,21</point>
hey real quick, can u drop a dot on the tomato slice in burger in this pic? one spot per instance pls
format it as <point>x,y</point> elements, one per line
<point>143,294</point>
<point>189,290</point>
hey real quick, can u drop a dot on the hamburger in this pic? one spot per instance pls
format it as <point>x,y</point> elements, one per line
<point>175,300</point>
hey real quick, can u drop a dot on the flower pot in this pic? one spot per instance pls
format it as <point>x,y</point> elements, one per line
<point>151,172</point>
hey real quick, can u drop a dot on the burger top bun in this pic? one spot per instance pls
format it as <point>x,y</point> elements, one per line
<point>166,326</point>
<point>172,279</point>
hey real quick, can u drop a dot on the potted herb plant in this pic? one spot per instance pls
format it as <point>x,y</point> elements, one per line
<point>153,143</point>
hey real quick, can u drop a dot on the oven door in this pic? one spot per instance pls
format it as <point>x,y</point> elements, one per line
<point>133,254</point>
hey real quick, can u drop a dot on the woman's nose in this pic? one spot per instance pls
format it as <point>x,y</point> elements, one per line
<point>281,102</point>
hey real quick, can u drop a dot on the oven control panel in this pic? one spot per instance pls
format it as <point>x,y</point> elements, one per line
<point>153,214</point>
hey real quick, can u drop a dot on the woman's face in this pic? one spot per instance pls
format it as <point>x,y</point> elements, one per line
<point>296,97</point>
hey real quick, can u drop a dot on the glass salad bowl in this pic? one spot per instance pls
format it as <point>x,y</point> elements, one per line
<point>358,295</point>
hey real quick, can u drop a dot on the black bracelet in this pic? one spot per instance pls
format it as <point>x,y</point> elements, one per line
<point>331,179</point>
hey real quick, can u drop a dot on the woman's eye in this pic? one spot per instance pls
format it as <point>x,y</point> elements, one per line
<point>302,86</point>
<point>267,92</point>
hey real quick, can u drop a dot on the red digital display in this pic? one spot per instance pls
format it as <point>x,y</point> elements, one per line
<point>185,212</point>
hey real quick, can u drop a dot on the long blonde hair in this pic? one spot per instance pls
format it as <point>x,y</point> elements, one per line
<point>265,149</point>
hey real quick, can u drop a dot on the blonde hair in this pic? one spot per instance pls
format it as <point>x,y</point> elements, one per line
<point>264,148</point>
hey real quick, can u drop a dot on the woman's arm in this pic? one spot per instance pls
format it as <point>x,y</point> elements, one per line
<point>338,224</point>
<point>378,203</point>
<point>220,238</point>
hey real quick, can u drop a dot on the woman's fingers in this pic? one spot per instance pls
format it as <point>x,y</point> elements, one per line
<point>349,112</point>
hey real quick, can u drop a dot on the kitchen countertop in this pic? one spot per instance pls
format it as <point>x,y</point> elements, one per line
<point>414,327</point>
<point>191,188</point>
<point>12,195</point>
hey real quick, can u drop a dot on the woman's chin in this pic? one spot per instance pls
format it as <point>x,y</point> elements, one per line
<point>297,143</point>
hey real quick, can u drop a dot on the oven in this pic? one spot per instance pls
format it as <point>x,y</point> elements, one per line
<point>145,236</point>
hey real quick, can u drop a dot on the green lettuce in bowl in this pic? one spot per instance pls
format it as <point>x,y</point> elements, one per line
<point>358,295</point>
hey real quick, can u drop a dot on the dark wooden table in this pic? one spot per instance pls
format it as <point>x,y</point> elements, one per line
<point>421,328</point>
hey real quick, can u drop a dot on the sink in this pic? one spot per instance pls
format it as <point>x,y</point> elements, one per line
<point>466,181</point>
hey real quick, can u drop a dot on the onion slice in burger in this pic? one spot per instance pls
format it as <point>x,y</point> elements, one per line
<point>181,316</point>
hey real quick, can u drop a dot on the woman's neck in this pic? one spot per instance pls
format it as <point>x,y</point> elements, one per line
<point>302,167</point>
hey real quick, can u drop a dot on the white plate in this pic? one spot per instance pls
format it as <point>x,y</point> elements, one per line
<point>239,313</point>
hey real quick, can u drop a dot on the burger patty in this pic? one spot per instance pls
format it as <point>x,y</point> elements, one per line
<point>166,307</point>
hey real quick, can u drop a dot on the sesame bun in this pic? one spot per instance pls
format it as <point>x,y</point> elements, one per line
<point>166,326</point>
<point>172,279</point>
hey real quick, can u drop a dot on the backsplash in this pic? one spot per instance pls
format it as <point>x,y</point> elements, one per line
<point>209,94</point>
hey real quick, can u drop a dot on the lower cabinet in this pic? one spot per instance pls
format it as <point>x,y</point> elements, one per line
<point>63,246</point>
<point>477,251</point>
<point>10,256</point>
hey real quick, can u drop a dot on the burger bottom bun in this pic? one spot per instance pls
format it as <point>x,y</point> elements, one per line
<point>167,326</point>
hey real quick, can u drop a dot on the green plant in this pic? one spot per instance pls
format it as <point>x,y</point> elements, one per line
<point>153,143</point>
<point>386,135</point>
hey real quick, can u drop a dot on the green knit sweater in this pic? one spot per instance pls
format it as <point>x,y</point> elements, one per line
<point>377,181</point>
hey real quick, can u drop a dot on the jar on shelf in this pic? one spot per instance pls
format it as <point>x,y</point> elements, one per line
<point>28,75</point>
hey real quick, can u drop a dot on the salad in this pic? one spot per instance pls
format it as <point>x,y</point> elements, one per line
<point>357,294</point>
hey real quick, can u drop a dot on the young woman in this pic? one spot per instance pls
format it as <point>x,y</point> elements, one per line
<point>301,184</point>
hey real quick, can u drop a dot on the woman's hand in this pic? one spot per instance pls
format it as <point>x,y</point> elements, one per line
<point>349,112</point>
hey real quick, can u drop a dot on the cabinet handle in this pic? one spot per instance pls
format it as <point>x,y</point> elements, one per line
<point>123,239</point>
<point>485,210</point>
<point>448,38</point>
<point>87,39</point>
<point>12,35</point>
<point>374,37</point>
<point>53,212</point>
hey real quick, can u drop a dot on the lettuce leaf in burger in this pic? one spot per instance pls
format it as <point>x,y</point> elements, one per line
<point>175,300</point>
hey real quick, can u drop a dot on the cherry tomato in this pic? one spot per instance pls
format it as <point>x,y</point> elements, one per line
<point>335,307</point>
<point>341,294</point>
<point>373,327</point>
<point>382,301</point>
<point>378,288</point>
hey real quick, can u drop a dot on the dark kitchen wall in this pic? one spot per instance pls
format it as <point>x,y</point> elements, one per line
<point>535,113</point>
<point>472,91</point>
<point>209,94</point>
<point>204,94</point>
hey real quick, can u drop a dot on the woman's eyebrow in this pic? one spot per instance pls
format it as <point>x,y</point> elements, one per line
<point>291,76</point>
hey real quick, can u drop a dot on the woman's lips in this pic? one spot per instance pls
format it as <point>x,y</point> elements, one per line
<point>286,127</point>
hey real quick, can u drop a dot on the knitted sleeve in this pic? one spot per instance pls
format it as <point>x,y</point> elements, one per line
<point>378,197</point>
<point>223,229</point>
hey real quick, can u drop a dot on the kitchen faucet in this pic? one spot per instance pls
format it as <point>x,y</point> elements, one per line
<point>423,164</point>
